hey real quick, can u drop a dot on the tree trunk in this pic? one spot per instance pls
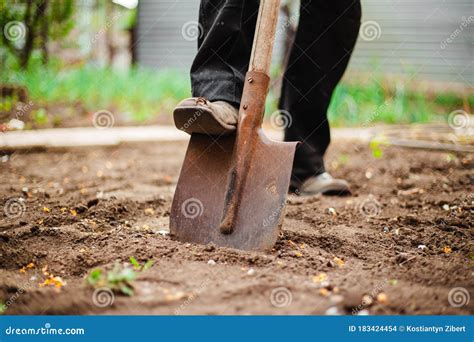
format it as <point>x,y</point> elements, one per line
<point>30,33</point>
<point>44,33</point>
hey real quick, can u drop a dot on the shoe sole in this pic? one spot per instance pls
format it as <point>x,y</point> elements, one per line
<point>200,120</point>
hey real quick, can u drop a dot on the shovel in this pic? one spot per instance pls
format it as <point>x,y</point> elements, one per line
<point>232,189</point>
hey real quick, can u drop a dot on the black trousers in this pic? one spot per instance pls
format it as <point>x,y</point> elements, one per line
<point>326,35</point>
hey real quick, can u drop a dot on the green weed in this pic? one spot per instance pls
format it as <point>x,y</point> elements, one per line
<point>120,278</point>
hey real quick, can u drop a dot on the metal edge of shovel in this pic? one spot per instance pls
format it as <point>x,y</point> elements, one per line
<point>232,189</point>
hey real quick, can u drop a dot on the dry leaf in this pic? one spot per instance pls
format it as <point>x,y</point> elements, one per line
<point>324,292</point>
<point>57,282</point>
<point>382,298</point>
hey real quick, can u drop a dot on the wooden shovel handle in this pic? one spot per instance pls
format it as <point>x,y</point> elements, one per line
<point>264,38</point>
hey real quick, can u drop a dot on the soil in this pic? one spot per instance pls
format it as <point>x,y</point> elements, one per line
<point>399,245</point>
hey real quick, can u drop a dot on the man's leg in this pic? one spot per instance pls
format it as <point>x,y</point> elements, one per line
<point>219,68</point>
<point>218,71</point>
<point>326,36</point>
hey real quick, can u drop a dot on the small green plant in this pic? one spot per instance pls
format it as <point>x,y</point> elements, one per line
<point>376,145</point>
<point>3,308</point>
<point>136,265</point>
<point>40,117</point>
<point>119,278</point>
<point>7,104</point>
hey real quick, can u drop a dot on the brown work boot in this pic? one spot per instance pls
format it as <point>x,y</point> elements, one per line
<point>198,115</point>
<point>324,184</point>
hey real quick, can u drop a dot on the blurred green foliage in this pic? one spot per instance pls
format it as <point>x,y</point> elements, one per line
<point>143,94</point>
<point>28,27</point>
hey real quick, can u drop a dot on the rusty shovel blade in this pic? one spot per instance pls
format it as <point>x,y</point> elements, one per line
<point>205,185</point>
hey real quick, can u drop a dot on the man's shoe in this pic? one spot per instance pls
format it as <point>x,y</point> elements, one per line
<point>198,115</point>
<point>324,184</point>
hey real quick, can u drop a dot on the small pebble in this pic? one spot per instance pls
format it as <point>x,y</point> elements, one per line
<point>363,313</point>
<point>335,299</point>
<point>386,229</point>
<point>211,262</point>
<point>422,247</point>
<point>325,283</point>
<point>163,232</point>
<point>382,298</point>
<point>251,272</point>
<point>210,248</point>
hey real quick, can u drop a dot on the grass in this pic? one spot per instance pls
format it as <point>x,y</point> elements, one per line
<point>143,94</point>
<point>138,91</point>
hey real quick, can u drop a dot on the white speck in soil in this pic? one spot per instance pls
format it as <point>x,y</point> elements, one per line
<point>332,311</point>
